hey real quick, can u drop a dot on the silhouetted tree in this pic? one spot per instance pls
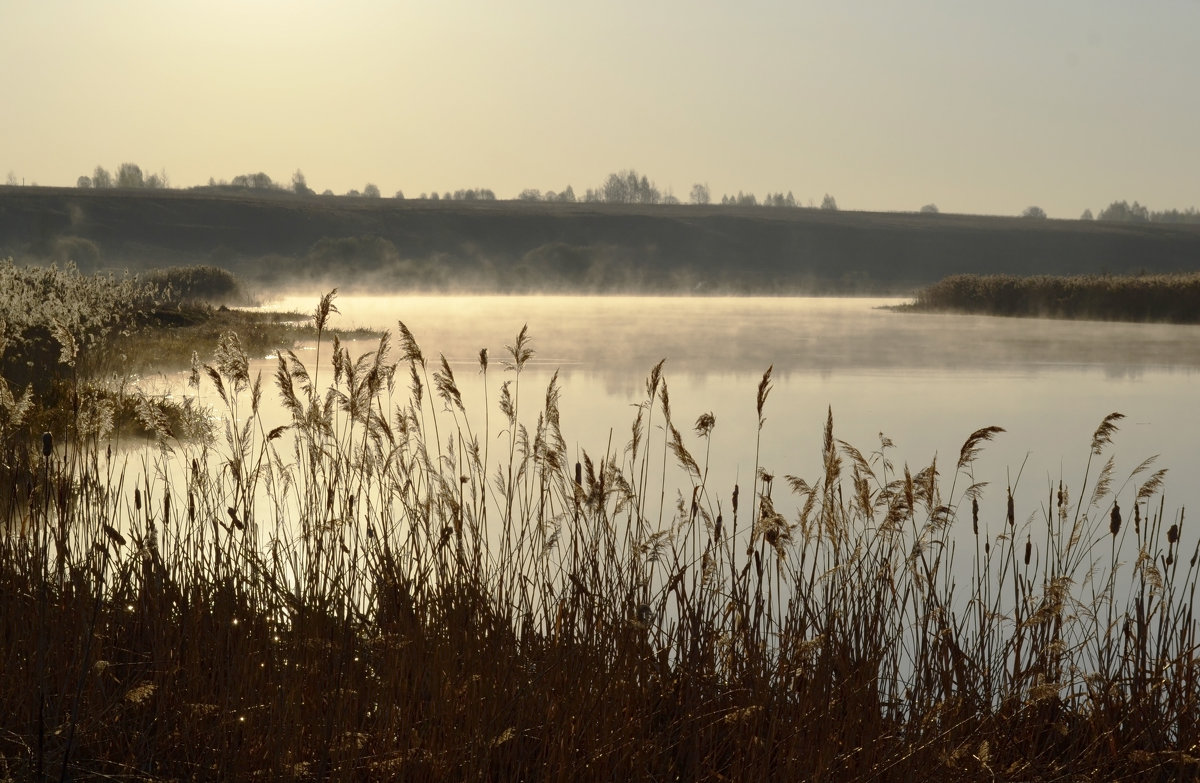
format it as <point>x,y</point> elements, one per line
<point>1189,215</point>
<point>101,178</point>
<point>829,202</point>
<point>129,175</point>
<point>300,184</point>
<point>1034,212</point>
<point>531,194</point>
<point>83,182</point>
<point>929,209</point>
<point>700,194</point>
<point>1087,215</point>
<point>1123,211</point>
<point>257,181</point>
<point>399,195</point>
<point>626,187</point>
<point>371,190</point>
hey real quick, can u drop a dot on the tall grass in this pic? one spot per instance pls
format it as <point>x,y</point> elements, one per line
<point>1163,298</point>
<point>365,592</point>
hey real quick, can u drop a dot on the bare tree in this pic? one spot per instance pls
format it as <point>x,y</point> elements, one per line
<point>700,194</point>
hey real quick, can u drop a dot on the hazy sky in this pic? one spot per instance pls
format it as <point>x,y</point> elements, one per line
<point>984,107</point>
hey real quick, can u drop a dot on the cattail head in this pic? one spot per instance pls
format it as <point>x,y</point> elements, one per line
<point>1173,534</point>
<point>47,444</point>
<point>975,515</point>
<point>1137,518</point>
<point>1114,520</point>
<point>1028,549</point>
<point>137,499</point>
<point>735,497</point>
<point>483,359</point>
<point>1012,519</point>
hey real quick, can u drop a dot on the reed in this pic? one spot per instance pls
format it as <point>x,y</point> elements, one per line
<point>1161,298</point>
<point>359,594</point>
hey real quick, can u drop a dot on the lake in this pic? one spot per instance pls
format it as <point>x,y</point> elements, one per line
<point>925,381</point>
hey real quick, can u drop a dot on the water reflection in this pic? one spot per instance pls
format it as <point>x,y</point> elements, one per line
<point>926,381</point>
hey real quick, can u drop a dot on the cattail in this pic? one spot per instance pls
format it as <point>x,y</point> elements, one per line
<point>1173,534</point>
<point>717,529</point>
<point>975,515</point>
<point>47,444</point>
<point>483,359</point>
<point>1028,549</point>
<point>1114,520</point>
<point>735,496</point>
<point>578,474</point>
<point>1011,515</point>
<point>1137,518</point>
<point>137,499</point>
<point>115,536</point>
<point>166,508</point>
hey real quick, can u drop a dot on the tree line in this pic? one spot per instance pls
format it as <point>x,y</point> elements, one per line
<point>626,186</point>
<point>1124,212</point>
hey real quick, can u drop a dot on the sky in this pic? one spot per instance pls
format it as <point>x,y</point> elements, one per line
<point>977,107</point>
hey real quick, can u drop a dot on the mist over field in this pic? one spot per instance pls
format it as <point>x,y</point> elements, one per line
<point>284,241</point>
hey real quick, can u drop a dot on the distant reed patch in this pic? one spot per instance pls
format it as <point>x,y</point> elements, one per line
<point>1151,298</point>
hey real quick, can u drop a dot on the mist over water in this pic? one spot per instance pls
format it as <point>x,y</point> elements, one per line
<point>925,381</point>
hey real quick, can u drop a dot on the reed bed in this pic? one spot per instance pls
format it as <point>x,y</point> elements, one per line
<point>1158,298</point>
<point>388,588</point>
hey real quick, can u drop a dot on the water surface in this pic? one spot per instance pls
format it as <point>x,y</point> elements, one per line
<point>925,381</point>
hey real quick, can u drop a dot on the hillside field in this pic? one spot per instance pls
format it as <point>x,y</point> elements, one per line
<point>283,241</point>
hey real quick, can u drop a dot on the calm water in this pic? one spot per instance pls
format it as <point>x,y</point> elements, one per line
<point>925,381</point>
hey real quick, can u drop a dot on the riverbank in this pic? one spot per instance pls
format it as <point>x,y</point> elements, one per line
<point>1140,298</point>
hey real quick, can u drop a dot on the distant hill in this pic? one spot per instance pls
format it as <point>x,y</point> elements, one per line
<point>280,240</point>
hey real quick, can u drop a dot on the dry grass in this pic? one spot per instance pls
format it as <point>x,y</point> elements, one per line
<point>1163,298</point>
<point>372,593</point>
